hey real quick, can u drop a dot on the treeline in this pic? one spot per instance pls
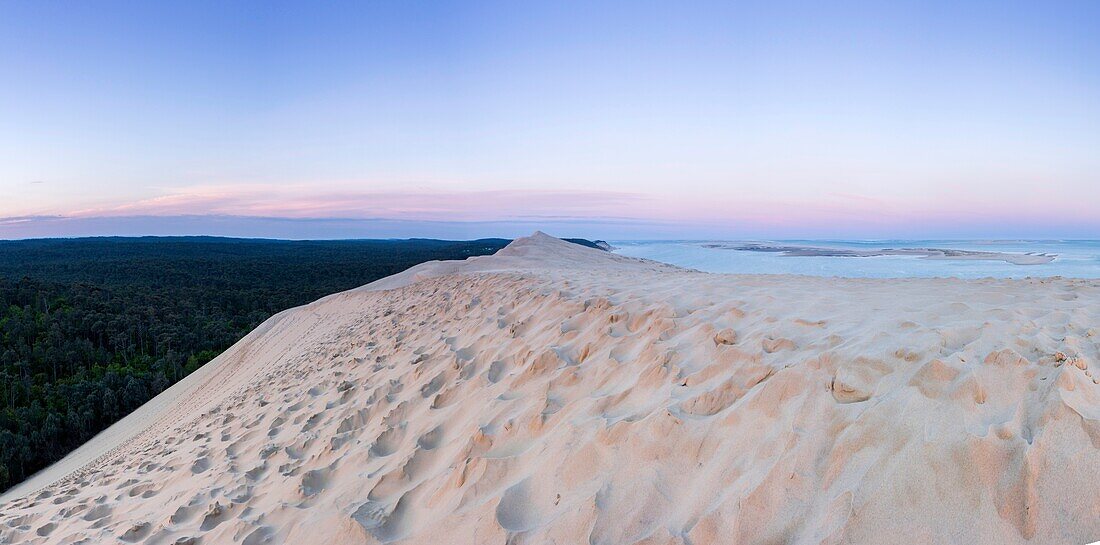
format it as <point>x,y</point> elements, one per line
<point>90,329</point>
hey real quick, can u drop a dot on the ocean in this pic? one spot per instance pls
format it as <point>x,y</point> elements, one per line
<point>866,259</point>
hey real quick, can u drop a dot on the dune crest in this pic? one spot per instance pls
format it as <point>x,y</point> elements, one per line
<point>553,393</point>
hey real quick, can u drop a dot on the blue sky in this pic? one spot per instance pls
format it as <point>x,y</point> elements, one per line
<point>609,120</point>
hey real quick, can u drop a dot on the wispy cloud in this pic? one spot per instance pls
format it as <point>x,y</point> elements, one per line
<point>357,210</point>
<point>303,201</point>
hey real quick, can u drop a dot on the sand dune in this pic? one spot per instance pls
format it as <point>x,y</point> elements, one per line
<point>558,394</point>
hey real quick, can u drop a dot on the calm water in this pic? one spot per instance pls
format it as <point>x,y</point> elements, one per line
<point>1078,258</point>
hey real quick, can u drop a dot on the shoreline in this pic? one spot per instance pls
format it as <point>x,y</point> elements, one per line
<point>941,254</point>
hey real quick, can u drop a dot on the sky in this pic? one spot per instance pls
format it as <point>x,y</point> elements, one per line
<point>628,120</point>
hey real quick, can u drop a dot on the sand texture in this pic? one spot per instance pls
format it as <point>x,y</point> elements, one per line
<point>559,394</point>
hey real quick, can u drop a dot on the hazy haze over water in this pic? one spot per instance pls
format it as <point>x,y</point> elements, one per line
<point>1079,259</point>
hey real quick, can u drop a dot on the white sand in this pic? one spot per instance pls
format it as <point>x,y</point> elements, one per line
<point>558,394</point>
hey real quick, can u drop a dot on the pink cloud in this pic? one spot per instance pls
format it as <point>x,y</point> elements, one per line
<point>832,214</point>
<point>307,202</point>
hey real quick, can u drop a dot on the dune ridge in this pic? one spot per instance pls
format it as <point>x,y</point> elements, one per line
<point>553,393</point>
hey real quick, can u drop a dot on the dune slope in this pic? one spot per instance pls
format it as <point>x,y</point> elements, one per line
<point>558,394</point>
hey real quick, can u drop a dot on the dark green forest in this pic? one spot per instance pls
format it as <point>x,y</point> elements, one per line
<point>90,329</point>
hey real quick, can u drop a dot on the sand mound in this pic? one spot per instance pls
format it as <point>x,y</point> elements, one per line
<point>558,394</point>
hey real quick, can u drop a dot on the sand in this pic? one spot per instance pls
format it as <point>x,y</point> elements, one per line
<point>559,394</point>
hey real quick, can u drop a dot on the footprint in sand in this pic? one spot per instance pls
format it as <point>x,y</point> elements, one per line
<point>136,532</point>
<point>200,465</point>
<point>215,515</point>
<point>45,529</point>
<point>387,442</point>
